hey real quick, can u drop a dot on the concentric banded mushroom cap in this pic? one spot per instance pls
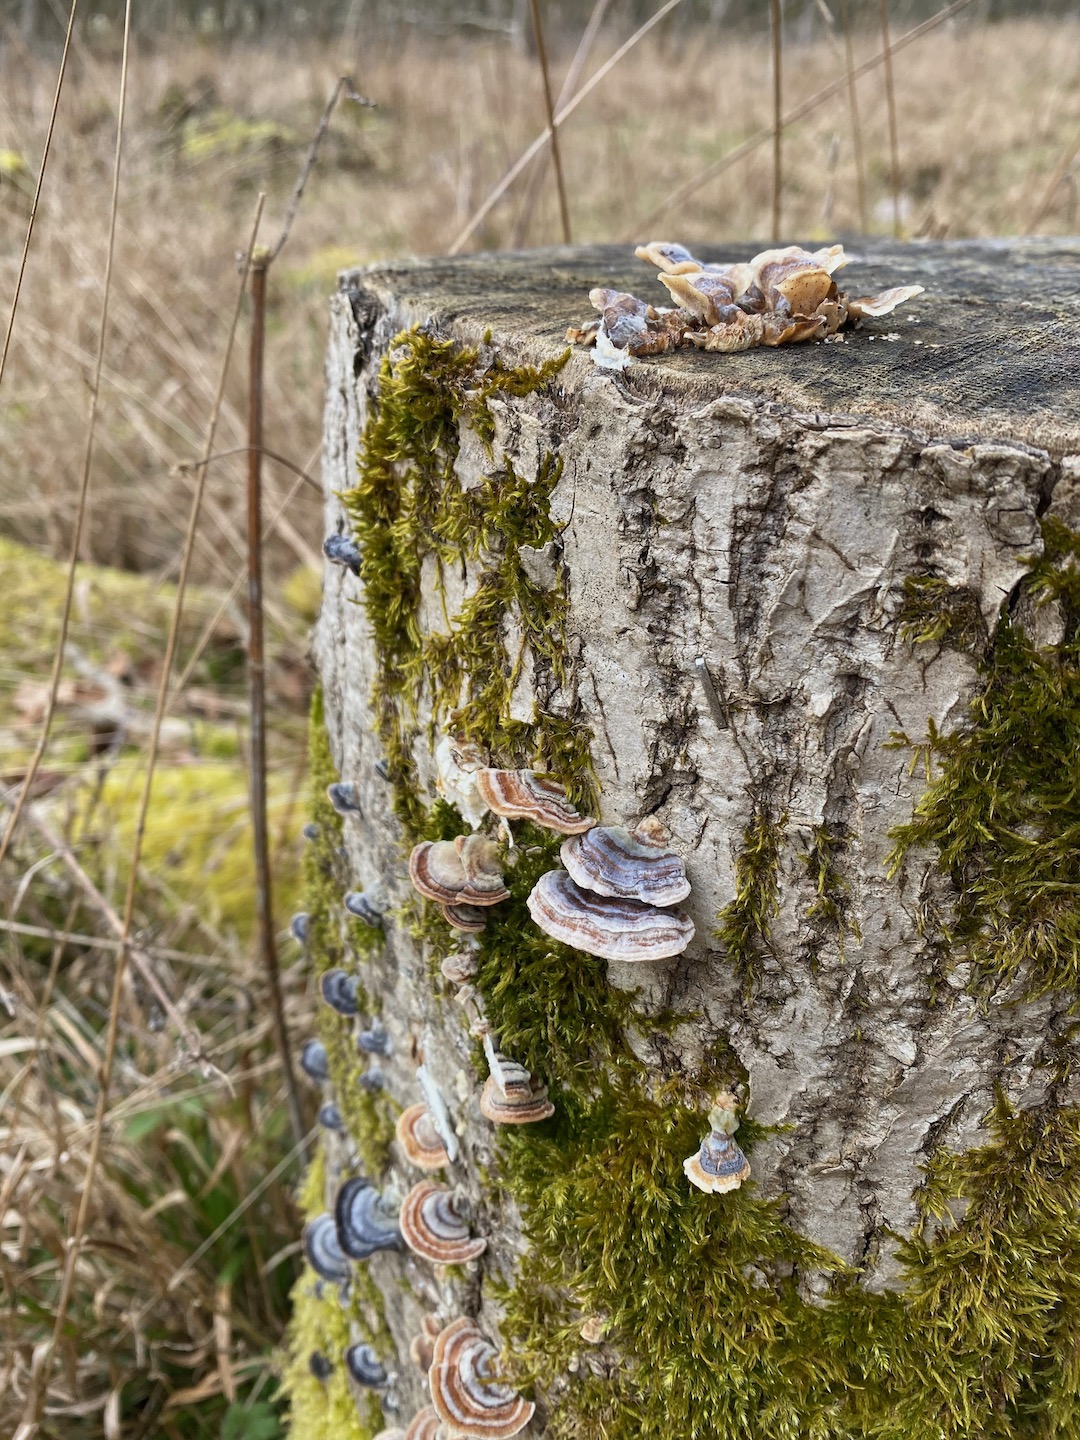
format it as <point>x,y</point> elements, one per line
<point>528,795</point>
<point>718,1166</point>
<point>668,257</point>
<point>465,1391</point>
<point>339,991</point>
<point>470,918</point>
<point>314,1060</point>
<point>601,925</point>
<point>299,926</point>
<point>344,797</point>
<point>341,550</point>
<point>374,1041</point>
<point>459,967</point>
<point>422,1346</point>
<point>323,1250</point>
<point>611,860</point>
<point>482,864</point>
<point>365,1367</point>
<point>436,871</point>
<point>420,1140</point>
<point>329,1116</point>
<point>360,904</point>
<point>363,1225</point>
<point>433,1226</point>
<point>515,1082</point>
<point>503,1109</point>
<point>425,1425</point>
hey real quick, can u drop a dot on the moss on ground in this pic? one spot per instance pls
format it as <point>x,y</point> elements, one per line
<point>723,1319</point>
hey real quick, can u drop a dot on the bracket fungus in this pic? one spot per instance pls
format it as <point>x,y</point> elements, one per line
<point>465,871</point>
<point>614,929</point>
<point>329,1116</point>
<point>780,297</point>
<point>529,795</point>
<point>466,1392</point>
<point>719,1165</point>
<point>344,797</point>
<point>363,1226</point>
<point>420,1140</point>
<point>626,864</point>
<point>432,1226</point>
<point>311,831</point>
<point>469,918</point>
<point>422,1346</point>
<point>324,1250</point>
<point>342,550</point>
<point>320,1365</point>
<point>299,926</point>
<point>360,904</point>
<point>520,1104</point>
<point>314,1061</point>
<point>372,1079</point>
<point>339,989</point>
<point>460,967</point>
<point>374,1041</point>
<point>425,1425</point>
<point>365,1367</point>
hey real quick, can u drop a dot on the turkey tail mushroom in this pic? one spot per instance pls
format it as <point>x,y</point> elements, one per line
<point>466,1392</point>
<point>433,1227</point>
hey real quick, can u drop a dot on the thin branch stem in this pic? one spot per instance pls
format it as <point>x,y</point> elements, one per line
<point>556,159</point>
<point>856,126</point>
<point>890,102</point>
<point>776,22</point>
<point>1060,170</point>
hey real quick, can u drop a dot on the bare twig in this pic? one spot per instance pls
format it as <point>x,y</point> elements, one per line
<point>1060,171</point>
<point>856,127</point>
<point>890,102</point>
<point>38,188</point>
<point>561,116</point>
<point>776,20</point>
<point>806,107</point>
<point>99,942</point>
<point>556,159</point>
<point>282,460</point>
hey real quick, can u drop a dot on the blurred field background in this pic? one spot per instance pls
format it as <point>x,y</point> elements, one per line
<point>180,1294</point>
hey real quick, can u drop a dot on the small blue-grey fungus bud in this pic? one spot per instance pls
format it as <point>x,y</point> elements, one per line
<point>382,769</point>
<point>324,1250</point>
<point>365,1367</point>
<point>374,1041</point>
<point>372,1080</point>
<point>313,1060</point>
<point>341,550</point>
<point>319,1365</point>
<point>344,797</point>
<point>299,927</point>
<point>363,1225</point>
<point>311,831</point>
<point>339,991</point>
<point>329,1116</point>
<point>358,904</point>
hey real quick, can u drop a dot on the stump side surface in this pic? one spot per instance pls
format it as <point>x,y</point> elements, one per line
<point>992,349</point>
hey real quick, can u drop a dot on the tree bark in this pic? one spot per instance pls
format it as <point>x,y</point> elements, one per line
<point>734,538</point>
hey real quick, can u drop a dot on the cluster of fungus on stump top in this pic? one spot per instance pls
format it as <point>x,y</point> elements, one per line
<point>780,297</point>
<point>719,1165</point>
<point>610,901</point>
<point>466,1392</point>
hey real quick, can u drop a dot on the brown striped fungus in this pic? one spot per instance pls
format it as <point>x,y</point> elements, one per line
<point>613,928</point>
<point>719,1165</point>
<point>466,1392</point>
<point>425,1425</point>
<point>433,1226</point>
<point>627,864</point>
<point>528,795</point>
<point>522,1106</point>
<point>464,876</point>
<point>420,1140</point>
<point>422,1346</point>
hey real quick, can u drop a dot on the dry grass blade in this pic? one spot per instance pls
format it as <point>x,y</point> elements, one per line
<point>856,126</point>
<point>776,26</point>
<point>1060,171</point>
<point>556,159</point>
<point>890,102</point>
<point>799,112</point>
<point>495,195</point>
<point>37,189</point>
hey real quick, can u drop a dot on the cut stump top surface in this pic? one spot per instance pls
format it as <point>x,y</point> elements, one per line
<point>990,350</point>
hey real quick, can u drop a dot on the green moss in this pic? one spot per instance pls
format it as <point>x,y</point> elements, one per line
<point>744,923</point>
<point>935,612</point>
<point>1001,810</point>
<point>827,914</point>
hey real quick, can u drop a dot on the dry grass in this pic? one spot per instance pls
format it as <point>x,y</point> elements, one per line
<point>154,1346</point>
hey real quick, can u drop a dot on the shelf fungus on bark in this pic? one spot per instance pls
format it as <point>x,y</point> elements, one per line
<point>470,919</point>
<point>372,1079</point>
<point>433,1227</point>
<point>324,1251</point>
<point>299,926</point>
<point>329,1117</point>
<point>780,297</point>
<point>460,967</point>
<point>511,1096</point>
<point>627,864</point>
<point>420,1140</point>
<point>311,831</point>
<point>425,1425</point>
<point>422,1346</point>
<point>361,904</point>
<point>465,873</point>
<point>363,1224</point>
<point>466,1391</point>
<point>342,550</point>
<point>339,989</point>
<point>719,1165</point>
<point>374,1041</point>
<point>320,1365</point>
<point>365,1367</point>
<point>614,929</point>
<point>344,797</point>
<point>314,1061</point>
<point>529,795</point>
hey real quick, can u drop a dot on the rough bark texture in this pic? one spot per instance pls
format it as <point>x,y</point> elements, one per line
<point>759,513</point>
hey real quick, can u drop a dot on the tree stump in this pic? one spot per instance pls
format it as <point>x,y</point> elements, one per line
<point>815,610</point>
